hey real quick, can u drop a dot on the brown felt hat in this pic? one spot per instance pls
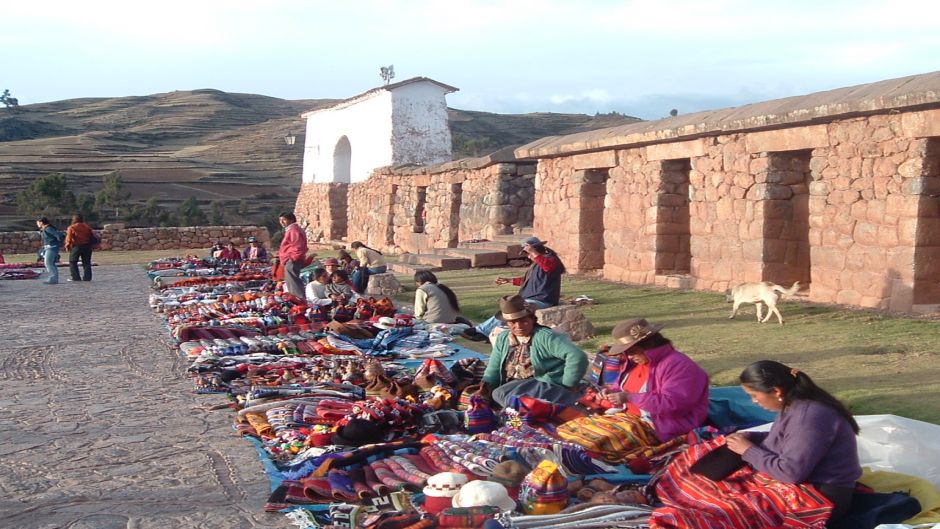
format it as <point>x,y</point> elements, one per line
<point>513,307</point>
<point>630,332</point>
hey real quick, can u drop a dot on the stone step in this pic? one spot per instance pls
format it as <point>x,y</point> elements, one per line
<point>442,262</point>
<point>510,247</point>
<point>410,269</point>
<point>479,257</point>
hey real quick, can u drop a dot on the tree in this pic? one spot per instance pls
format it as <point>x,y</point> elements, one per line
<point>85,204</point>
<point>674,112</point>
<point>8,100</point>
<point>112,194</point>
<point>46,196</point>
<point>189,214</point>
<point>150,214</point>
<point>217,212</point>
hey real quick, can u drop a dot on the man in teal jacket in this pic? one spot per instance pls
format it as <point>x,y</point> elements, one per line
<point>532,360</point>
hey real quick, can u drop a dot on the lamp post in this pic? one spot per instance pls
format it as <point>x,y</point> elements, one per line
<point>290,138</point>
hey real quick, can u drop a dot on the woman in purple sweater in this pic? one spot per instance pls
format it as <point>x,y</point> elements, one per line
<point>800,474</point>
<point>813,439</point>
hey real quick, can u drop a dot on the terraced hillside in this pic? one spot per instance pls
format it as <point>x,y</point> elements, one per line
<point>206,144</point>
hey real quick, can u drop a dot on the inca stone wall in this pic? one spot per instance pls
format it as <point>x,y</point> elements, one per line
<point>147,238</point>
<point>839,190</point>
<point>418,209</point>
<point>849,208</point>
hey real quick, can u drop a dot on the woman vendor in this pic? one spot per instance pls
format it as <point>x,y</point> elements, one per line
<point>799,474</point>
<point>813,439</point>
<point>657,382</point>
<point>531,359</point>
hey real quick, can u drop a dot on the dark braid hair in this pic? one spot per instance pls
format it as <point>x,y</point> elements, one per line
<point>767,375</point>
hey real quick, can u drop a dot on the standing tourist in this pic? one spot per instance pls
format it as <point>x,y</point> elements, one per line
<point>79,241</point>
<point>292,252</point>
<point>51,242</point>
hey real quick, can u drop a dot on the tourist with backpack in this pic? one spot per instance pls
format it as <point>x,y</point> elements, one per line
<point>52,241</point>
<point>80,240</point>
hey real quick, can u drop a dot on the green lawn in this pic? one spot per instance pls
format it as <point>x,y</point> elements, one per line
<point>877,363</point>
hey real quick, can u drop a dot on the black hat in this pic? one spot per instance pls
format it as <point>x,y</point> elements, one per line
<point>358,432</point>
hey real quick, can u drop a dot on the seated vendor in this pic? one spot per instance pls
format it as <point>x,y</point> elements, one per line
<point>340,290</point>
<point>229,253</point>
<point>531,359</point>
<point>254,251</point>
<point>316,291</point>
<point>657,382</point>
<point>813,439</point>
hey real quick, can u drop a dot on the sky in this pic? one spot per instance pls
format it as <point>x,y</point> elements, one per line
<point>641,57</point>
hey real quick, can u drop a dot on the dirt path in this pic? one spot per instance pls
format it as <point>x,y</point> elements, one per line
<point>99,427</point>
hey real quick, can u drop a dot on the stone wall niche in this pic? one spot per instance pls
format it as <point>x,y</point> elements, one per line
<point>786,217</point>
<point>673,255</point>
<point>927,250</point>
<point>591,236</point>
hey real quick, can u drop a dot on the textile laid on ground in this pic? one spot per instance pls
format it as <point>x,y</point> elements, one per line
<point>744,500</point>
<point>354,408</point>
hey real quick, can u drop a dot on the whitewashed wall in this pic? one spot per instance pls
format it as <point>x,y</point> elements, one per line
<point>420,132</point>
<point>405,125</point>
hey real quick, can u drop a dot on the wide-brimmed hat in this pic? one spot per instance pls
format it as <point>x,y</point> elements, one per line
<point>513,307</point>
<point>358,432</point>
<point>482,493</point>
<point>440,490</point>
<point>630,332</point>
<point>531,241</point>
<point>385,322</point>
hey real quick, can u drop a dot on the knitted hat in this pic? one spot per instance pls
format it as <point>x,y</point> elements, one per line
<point>510,474</point>
<point>544,490</point>
<point>358,432</point>
<point>481,493</point>
<point>479,418</point>
<point>376,385</point>
<point>630,332</point>
<point>440,490</point>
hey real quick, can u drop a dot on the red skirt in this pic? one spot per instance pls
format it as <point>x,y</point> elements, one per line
<point>746,499</point>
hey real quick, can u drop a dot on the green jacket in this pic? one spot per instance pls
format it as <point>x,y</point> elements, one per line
<point>554,359</point>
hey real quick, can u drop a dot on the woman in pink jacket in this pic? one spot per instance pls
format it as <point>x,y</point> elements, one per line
<point>658,383</point>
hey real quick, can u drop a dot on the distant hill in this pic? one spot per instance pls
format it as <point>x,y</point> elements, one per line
<point>208,144</point>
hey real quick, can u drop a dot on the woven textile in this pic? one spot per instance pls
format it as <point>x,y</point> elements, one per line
<point>745,500</point>
<point>605,369</point>
<point>616,438</point>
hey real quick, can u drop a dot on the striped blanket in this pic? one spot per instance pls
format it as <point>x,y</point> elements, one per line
<point>744,500</point>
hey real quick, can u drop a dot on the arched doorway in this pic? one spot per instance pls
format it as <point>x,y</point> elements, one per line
<point>342,160</point>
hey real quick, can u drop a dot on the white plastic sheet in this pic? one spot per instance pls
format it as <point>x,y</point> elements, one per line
<point>898,444</point>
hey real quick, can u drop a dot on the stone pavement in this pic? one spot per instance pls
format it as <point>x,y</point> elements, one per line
<point>99,427</point>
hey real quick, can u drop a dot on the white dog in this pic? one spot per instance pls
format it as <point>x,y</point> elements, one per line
<point>757,293</point>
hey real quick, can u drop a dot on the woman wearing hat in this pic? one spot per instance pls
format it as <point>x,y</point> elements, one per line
<point>810,450</point>
<point>531,359</point>
<point>540,287</point>
<point>254,251</point>
<point>657,382</point>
